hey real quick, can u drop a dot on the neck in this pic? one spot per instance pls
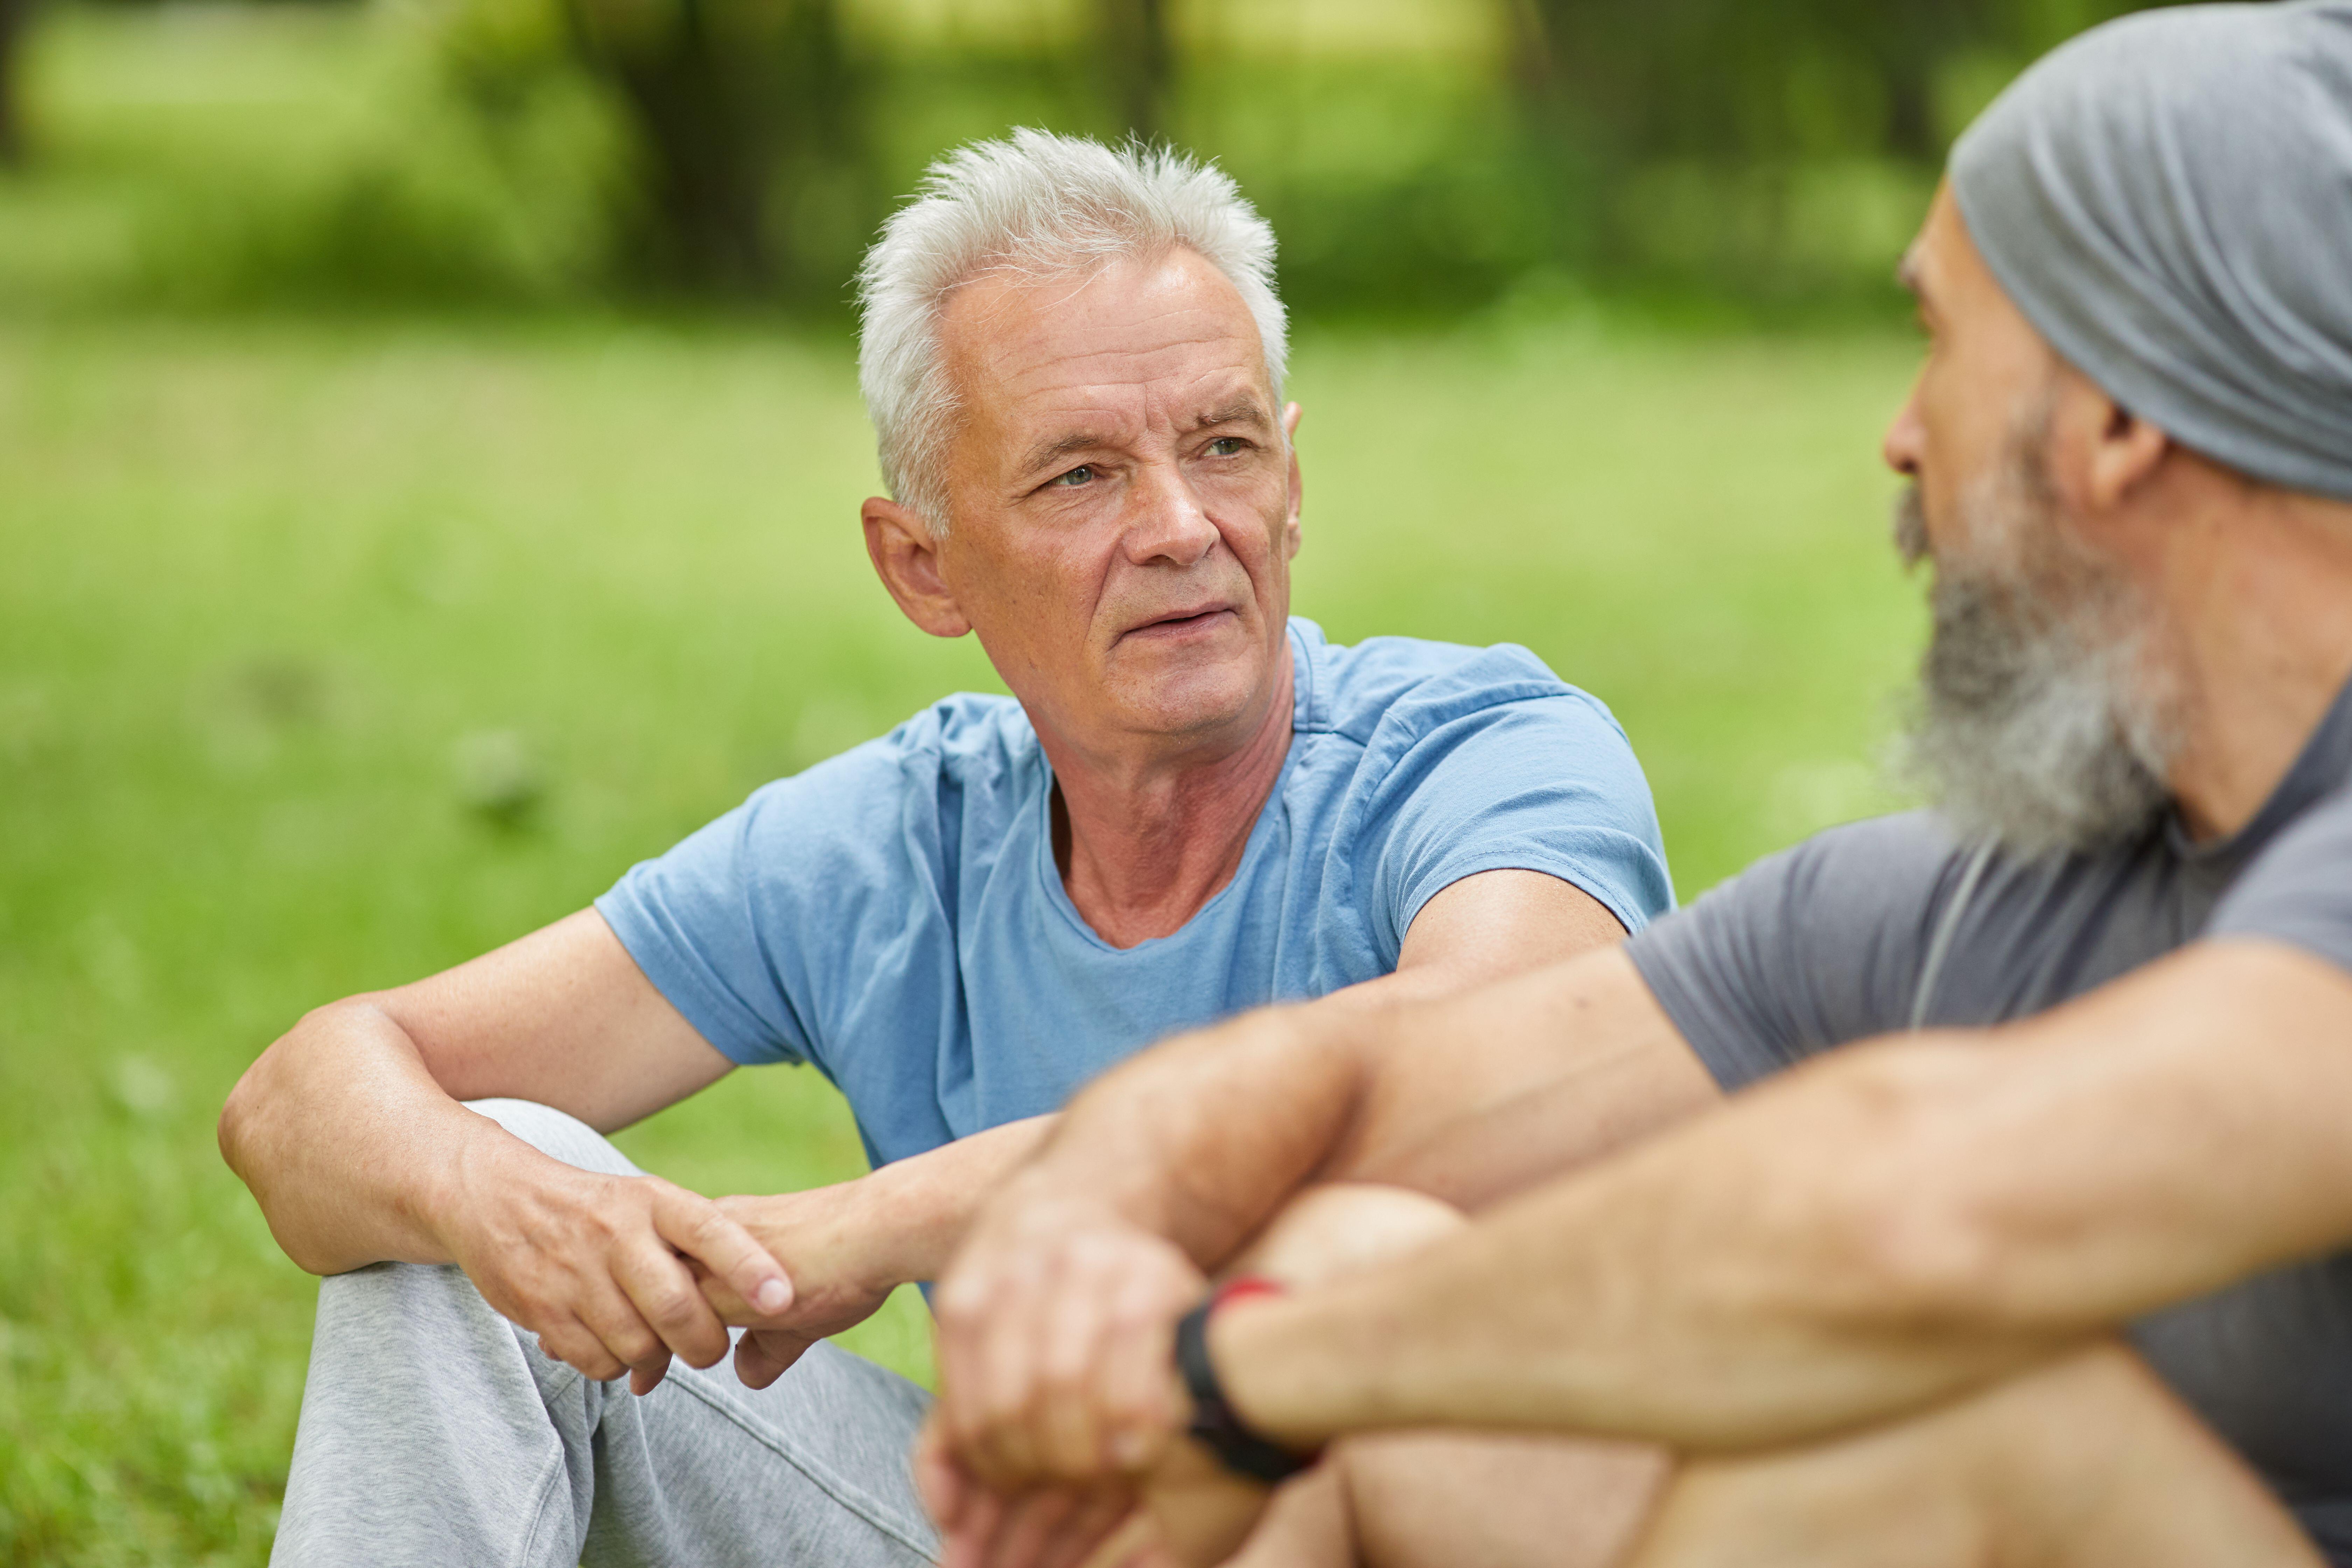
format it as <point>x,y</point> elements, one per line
<point>2262,599</point>
<point>1143,840</point>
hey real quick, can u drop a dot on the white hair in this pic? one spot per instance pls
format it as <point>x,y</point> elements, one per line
<point>1045,206</point>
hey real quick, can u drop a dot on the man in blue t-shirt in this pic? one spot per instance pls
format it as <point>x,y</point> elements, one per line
<point>1193,804</point>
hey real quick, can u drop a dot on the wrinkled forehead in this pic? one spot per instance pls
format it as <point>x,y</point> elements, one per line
<point>1138,338</point>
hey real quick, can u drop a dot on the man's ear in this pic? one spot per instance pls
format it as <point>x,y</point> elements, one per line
<point>1290,527</point>
<point>905,556</point>
<point>2106,453</point>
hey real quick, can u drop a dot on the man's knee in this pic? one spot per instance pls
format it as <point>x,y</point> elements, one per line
<point>557,1134</point>
<point>1329,1231</point>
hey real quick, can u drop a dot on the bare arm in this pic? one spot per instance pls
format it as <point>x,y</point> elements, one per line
<point>1877,1232</point>
<point>350,1132</point>
<point>349,1129</point>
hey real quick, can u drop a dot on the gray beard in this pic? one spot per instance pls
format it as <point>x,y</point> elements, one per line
<point>2040,722</point>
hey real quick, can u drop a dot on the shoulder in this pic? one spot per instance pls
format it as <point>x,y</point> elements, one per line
<point>2298,887</point>
<point>1835,899</point>
<point>1416,686</point>
<point>963,754</point>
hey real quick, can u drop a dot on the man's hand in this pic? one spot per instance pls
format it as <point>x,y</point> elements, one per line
<point>603,1269</point>
<point>1057,1336</point>
<point>840,1276</point>
<point>1038,1527</point>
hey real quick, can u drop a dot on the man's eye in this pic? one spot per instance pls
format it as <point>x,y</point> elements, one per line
<point>1081,475</point>
<point>1227,446</point>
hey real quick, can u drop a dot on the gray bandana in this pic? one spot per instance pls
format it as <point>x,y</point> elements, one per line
<point>2168,200</point>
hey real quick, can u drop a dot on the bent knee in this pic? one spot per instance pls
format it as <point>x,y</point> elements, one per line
<point>558,1134</point>
<point>1337,1229</point>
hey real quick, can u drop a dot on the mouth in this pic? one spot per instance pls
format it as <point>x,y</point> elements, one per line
<point>1178,623</point>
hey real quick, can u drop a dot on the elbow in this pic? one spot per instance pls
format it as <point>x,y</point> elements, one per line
<point>253,1105</point>
<point>243,1110</point>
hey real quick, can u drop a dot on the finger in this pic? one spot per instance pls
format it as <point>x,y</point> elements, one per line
<point>663,1291</point>
<point>1103,1515</point>
<point>938,1480</point>
<point>1073,1344</point>
<point>1029,1525</point>
<point>967,1545</point>
<point>698,1227</point>
<point>579,1347</point>
<point>1135,1542</point>
<point>1005,1452</point>
<point>1141,1403</point>
<point>960,1307</point>
<point>763,1355</point>
<point>644,1379</point>
<point>609,1315</point>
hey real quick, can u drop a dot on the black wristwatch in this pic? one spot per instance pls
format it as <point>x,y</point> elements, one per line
<point>1216,1425</point>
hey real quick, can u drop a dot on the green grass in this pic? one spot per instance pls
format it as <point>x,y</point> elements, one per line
<point>263,582</point>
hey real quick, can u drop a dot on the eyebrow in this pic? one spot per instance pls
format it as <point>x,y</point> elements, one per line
<point>1248,410</point>
<point>1060,446</point>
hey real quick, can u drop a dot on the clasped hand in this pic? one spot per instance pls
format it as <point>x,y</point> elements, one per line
<point>620,1273</point>
<point>1058,1402</point>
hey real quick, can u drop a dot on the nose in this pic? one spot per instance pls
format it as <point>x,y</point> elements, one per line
<point>1167,523</point>
<point>1906,438</point>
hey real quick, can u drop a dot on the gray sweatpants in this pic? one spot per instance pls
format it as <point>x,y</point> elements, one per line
<point>436,1434</point>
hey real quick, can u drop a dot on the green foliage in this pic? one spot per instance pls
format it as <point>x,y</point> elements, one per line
<point>1418,157</point>
<point>294,155</point>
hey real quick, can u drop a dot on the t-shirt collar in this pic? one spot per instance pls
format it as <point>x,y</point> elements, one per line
<point>2324,766</point>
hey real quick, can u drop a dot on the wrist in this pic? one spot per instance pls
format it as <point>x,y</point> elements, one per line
<point>1205,1361</point>
<point>473,1161</point>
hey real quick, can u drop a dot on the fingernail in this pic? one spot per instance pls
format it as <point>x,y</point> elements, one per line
<point>773,1297</point>
<point>1128,1450</point>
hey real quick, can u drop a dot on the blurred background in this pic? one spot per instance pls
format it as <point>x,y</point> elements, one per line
<point>430,458</point>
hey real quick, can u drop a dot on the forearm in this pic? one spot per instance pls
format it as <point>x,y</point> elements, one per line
<point>350,1145</point>
<point>1201,1138</point>
<point>901,1224</point>
<point>1880,1231</point>
<point>1698,1292</point>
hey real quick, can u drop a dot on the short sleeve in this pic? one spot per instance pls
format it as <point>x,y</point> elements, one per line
<point>1543,781</point>
<point>1812,948</point>
<point>2298,890</point>
<point>751,928</point>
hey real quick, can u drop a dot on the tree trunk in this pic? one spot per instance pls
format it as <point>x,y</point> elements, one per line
<point>740,106</point>
<point>14,16</point>
<point>1142,63</point>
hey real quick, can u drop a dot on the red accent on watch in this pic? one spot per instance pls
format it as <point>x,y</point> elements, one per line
<point>1242,1288</point>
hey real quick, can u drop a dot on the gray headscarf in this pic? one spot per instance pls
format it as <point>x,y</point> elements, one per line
<point>2168,200</point>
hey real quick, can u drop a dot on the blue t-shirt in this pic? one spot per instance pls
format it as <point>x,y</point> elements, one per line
<point>895,915</point>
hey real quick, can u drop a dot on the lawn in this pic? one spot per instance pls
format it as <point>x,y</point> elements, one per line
<point>332,654</point>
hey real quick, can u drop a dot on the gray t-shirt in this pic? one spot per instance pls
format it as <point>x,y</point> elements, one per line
<point>1830,942</point>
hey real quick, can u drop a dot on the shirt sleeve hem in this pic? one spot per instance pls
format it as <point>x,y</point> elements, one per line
<point>670,973</point>
<point>1579,872</point>
<point>1733,1065</point>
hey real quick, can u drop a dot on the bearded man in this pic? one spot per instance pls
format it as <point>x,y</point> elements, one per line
<point>2024,1233</point>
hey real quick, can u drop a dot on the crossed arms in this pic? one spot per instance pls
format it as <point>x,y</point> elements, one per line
<point>1869,1235</point>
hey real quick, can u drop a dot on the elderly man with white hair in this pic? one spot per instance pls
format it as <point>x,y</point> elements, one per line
<point>1192,805</point>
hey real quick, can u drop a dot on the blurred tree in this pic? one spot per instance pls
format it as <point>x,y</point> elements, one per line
<point>1142,60</point>
<point>748,121</point>
<point>14,14</point>
<point>1611,87</point>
